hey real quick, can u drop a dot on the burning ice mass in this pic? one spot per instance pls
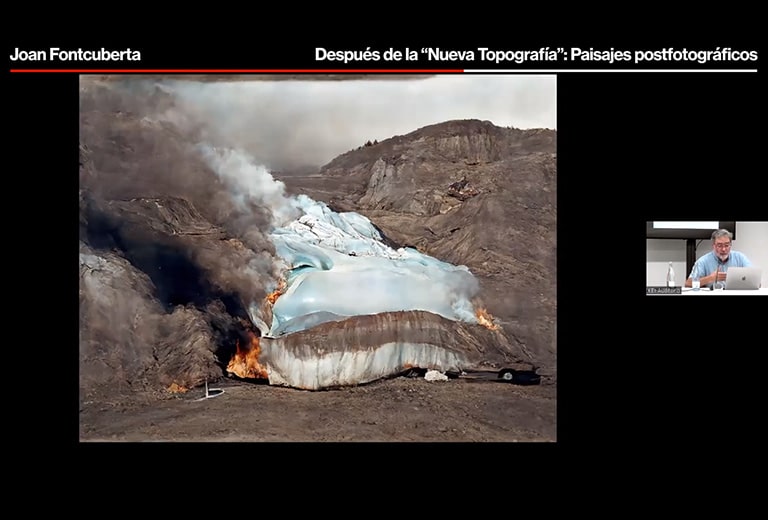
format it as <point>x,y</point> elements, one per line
<point>337,266</point>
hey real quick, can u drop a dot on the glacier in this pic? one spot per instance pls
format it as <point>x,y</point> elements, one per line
<point>338,266</point>
<point>345,307</point>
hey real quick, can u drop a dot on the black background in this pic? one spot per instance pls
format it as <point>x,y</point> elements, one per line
<point>633,371</point>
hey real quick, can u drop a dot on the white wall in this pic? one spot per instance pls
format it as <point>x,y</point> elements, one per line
<point>751,239</point>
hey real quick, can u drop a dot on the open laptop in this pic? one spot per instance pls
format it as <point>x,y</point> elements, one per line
<point>743,278</point>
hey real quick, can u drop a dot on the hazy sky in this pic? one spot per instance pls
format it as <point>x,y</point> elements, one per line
<point>293,123</point>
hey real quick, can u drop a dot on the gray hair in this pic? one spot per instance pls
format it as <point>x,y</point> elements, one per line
<point>721,233</point>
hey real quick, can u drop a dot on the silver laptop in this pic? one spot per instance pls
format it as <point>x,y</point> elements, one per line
<point>743,278</point>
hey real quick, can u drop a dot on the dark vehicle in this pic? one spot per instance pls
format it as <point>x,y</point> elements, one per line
<point>519,377</point>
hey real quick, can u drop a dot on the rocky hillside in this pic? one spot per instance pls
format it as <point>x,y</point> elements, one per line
<point>467,192</point>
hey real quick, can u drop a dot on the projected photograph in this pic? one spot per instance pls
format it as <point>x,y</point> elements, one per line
<point>330,257</point>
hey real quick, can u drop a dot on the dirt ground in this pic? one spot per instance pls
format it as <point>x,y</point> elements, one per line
<point>402,409</point>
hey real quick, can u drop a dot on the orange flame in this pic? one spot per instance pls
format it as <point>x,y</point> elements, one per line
<point>486,320</point>
<point>274,295</point>
<point>245,362</point>
<point>176,388</point>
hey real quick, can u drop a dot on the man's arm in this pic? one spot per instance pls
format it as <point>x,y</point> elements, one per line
<point>708,279</point>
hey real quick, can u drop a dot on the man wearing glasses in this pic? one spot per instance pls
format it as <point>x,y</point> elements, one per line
<point>713,266</point>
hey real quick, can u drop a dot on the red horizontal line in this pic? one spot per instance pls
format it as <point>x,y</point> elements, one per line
<point>241,71</point>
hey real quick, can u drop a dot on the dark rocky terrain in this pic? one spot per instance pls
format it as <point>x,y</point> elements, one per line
<point>168,266</point>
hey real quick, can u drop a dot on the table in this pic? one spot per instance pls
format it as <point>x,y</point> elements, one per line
<point>663,291</point>
<point>706,292</point>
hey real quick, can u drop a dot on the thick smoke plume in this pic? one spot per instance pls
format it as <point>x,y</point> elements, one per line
<point>138,145</point>
<point>173,246</point>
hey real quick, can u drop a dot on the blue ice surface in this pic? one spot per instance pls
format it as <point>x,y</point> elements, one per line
<point>339,267</point>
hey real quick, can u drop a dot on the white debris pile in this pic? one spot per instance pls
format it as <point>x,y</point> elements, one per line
<point>434,375</point>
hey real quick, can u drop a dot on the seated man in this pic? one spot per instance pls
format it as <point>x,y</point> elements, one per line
<point>715,264</point>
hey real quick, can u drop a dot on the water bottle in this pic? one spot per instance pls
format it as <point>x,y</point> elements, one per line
<point>670,276</point>
<point>718,285</point>
<point>695,280</point>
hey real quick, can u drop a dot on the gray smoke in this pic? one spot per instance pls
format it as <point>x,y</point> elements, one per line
<point>137,145</point>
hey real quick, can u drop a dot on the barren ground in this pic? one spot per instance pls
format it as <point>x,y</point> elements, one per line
<point>400,409</point>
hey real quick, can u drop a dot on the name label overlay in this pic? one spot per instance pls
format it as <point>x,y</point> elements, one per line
<point>663,290</point>
<point>63,55</point>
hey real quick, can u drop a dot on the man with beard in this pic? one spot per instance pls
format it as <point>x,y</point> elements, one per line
<point>712,267</point>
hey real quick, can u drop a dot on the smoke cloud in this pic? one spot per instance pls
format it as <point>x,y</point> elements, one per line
<point>137,145</point>
<point>251,184</point>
